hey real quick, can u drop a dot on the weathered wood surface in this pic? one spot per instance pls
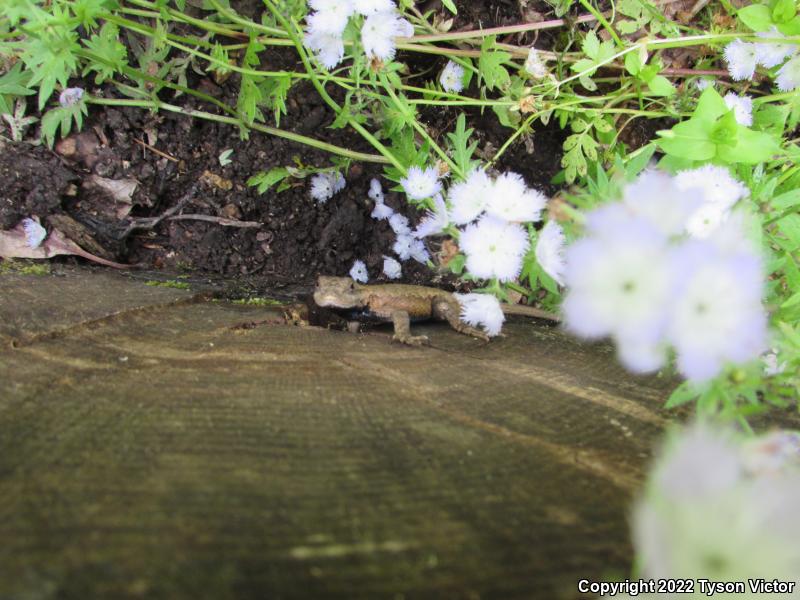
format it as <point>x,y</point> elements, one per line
<point>151,447</point>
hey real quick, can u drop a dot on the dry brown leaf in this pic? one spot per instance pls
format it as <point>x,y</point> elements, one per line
<point>14,244</point>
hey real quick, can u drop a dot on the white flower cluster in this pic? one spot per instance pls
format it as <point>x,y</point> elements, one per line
<point>496,243</point>
<point>669,265</point>
<point>325,185</point>
<point>719,508</point>
<point>743,57</point>
<point>452,77</point>
<point>326,25</point>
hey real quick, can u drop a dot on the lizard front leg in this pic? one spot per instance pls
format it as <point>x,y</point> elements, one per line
<point>450,310</point>
<point>402,330</point>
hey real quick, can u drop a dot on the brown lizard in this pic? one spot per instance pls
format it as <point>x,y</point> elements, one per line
<point>400,304</point>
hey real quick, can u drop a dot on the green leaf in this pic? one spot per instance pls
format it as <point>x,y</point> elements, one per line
<point>711,106</point>
<point>784,11</point>
<point>756,16</point>
<point>633,63</point>
<point>13,83</point>
<point>266,179</point>
<point>111,53</point>
<point>689,140</point>
<point>751,147</point>
<point>638,163</point>
<point>685,392</point>
<point>789,226</point>
<point>462,149</point>
<point>451,6</point>
<point>490,65</point>
<point>661,86</point>
<point>591,45</point>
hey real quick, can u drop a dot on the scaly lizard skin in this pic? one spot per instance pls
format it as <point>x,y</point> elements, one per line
<point>393,302</point>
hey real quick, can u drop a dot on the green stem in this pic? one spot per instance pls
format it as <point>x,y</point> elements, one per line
<point>599,16</point>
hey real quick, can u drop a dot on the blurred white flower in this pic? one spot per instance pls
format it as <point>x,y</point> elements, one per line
<point>706,219</point>
<point>742,108</point>
<point>718,185</point>
<point>434,220</point>
<point>481,310</point>
<point>359,272</point>
<point>534,64</point>
<point>775,453</point>
<point>381,210</point>
<point>391,268</point>
<point>789,75</point>
<point>511,200</point>
<point>550,251</point>
<point>656,196</point>
<point>452,77</point>
<point>705,515</point>
<point>704,82</point>
<point>770,54</point>
<point>716,314</point>
<point>379,32</point>
<point>403,246</point>
<point>620,283</point>
<point>420,184</point>
<point>741,58</point>
<point>771,365</point>
<point>468,198</point>
<point>325,185</point>
<point>70,96</point>
<point>370,7</point>
<point>494,248</point>
<point>400,224</point>
<point>328,48</point>
<point>34,232</point>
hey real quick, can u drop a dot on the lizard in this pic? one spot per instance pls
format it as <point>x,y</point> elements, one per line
<point>401,304</point>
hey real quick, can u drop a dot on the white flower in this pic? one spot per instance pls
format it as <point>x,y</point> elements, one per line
<point>716,313</point>
<point>70,96</point>
<point>391,268</point>
<point>742,108</point>
<point>468,199</point>
<point>620,283</point>
<point>420,184</point>
<point>789,75</point>
<point>328,48</point>
<point>452,77</point>
<point>370,7</point>
<point>534,64</point>
<point>703,82</point>
<point>34,232</point>
<point>419,252</point>
<point>771,54</point>
<point>656,197</point>
<point>481,310</point>
<point>403,246</point>
<point>325,185</point>
<point>494,248</point>
<point>382,211</point>
<point>331,16</point>
<point>712,518</point>
<point>511,200</point>
<point>718,185</point>
<point>359,272</point>
<point>380,30</point>
<point>741,57</point>
<point>771,365</point>
<point>434,220</point>
<point>399,224</point>
<point>706,219</point>
<point>775,453</point>
<point>375,190</point>
<point>550,251</point>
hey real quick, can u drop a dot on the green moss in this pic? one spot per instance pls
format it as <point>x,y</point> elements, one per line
<point>179,285</point>
<point>258,302</point>
<point>24,267</point>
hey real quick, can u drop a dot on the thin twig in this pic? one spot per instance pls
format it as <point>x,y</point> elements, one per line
<point>218,220</point>
<point>155,150</point>
<point>151,222</point>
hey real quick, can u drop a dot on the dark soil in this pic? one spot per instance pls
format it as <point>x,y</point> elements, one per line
<point>299,238</point>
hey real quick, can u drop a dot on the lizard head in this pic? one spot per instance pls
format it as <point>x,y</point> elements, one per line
<point>338,292</point>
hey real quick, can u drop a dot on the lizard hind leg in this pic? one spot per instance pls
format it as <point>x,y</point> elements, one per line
<point>450,311</point>
<point>402,330</point>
